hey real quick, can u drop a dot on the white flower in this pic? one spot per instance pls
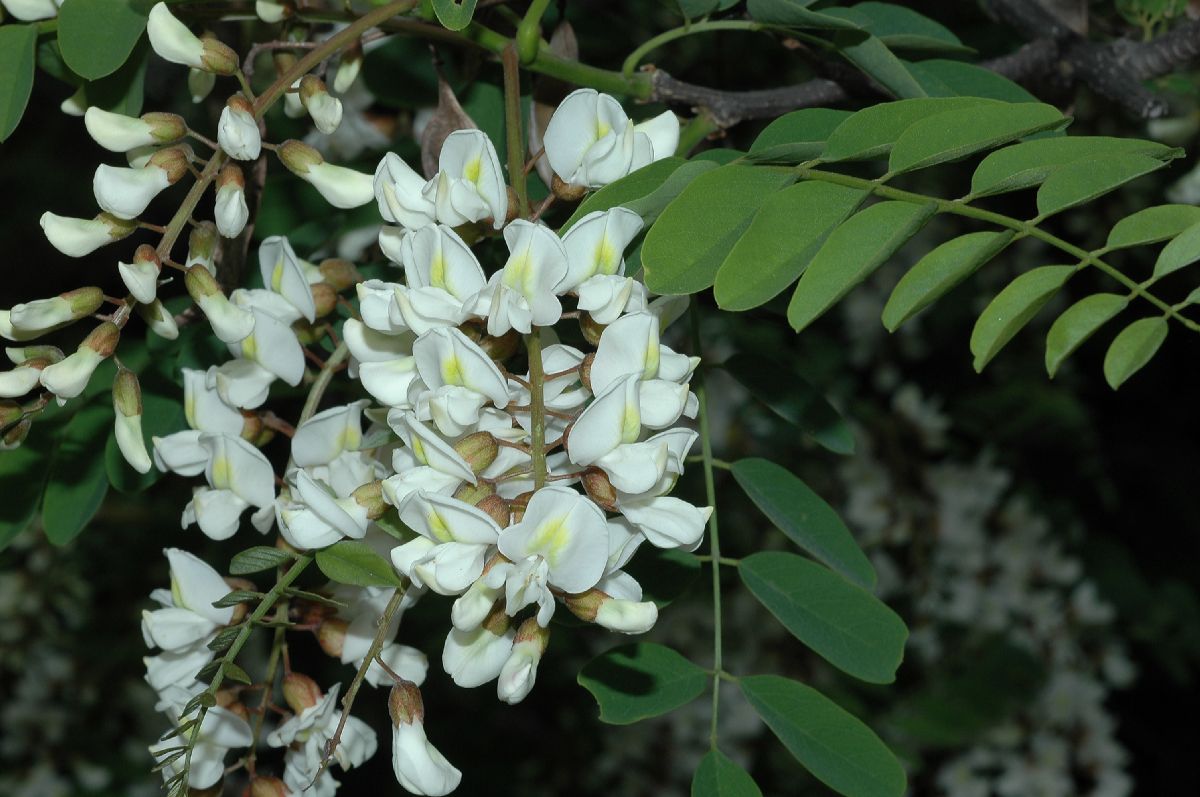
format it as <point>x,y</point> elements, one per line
<point>472,658</point>
<point>68,377</point>
<point>418,765</point>
<point>272,344</point>
<point>320,518</point>
<point>565,529</point>
<point>469,185</point>
<point>519,672</point>
<point>326,435</point>
<point>240,477</point>
<point>399,191</point>
<point>220,732</point>
<point>140,277</point>
<point>32,10</point>
<point>127,430</point>
<point>325,109</point>
<point>283,274</point>
<point>607,297</point>
<point>80,237</point>
<point>19,381</point>
<point>523,292</point>
<point>119,133</point>
<point>237,130</point>
<point>341,187</point>
<point>446,357</point>
<point>231,212</point>
<point>125,192</point>
<point>443,279</point>
<point>590,141</point>
<point>427,462</point>
<point>454,542</point>
<point>188,616</point>
<point>596,245</point>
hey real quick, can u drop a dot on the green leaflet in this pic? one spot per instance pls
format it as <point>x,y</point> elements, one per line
<point>630,187</point>
<point>97,36</point>
<point>842,622</point>
<point>17,47</point>
<point>901,28</point>
<point>641,680</point>
<point>1029,163</point>
<point>1077,323</point>
<point>775,249</point>
<point>870,133</point>
<point>1083,181</point>
<point>717,776</point>
<point>1012,309</point>
<point>354,562</point>
<point>827,740</point>
<point>939,271</point>
<point>796,136</point>
<point>257,559</point>
<point>1133,348</point>
<point>956,134</point>
<point>1151,225</point>
<point>651,206</point>
<point>804,517</point>
<point>944,78</point>
<point>455,14</point>
<point>690,240</point>
<point>77,483</point>
<point>791,397</point>
<point>851,253</point>
<point>1181,252</point>
<point>795,13</point>
<point>873,57</point>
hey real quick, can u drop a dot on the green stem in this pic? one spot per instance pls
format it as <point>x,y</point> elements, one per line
<point>959,207</point>
<point>714,536</point>
<point>529,32</point>
<point>512,128</point>
<point>695,131</point>
<point>537,408</point>
<point>322,382</point>
<point>277,645</point>
<point>637,55</point>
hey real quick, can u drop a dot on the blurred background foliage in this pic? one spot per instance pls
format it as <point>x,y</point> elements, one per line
<point>1038,536</point>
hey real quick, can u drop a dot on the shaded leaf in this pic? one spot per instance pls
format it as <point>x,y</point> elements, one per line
<point>17,47</point>
<point>1029,163</point>
<point>958,133</point>
<point>455,14</point>
<point>804,517</point>
<point>901,28</point>
<point>1133,348</point>
<point>1151,225</point>
<point>235,673</point>
<point>792,398</point>
<point>939,271</point>
<point>1077,323</point>
<point>775,250</point>
<point>795,13</point>
<point>873,57</point>
<point>237,596</point>
<point>943,78</point>
<point>827,740</point>
<point>871,132</point>
<point>634,185</point>
<point>717,776</point>
<point>796,136</point>
<point>842,622</point>
<point>1012,308</point>
<point>685,247</point>
<point>97,36</point>
<point>851,253</point>
<point>641,680</point>
<point>664,573</point>
<point>1083,181</point>
<point>257,559</point>
<point>1182,251</point>
<point>354,562</point>
<point>77,482</point>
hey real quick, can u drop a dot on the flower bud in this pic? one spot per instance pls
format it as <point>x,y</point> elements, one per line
<point>230,322</point>
<point>76,104</point>
<point>173,42</point>
<point>600,489</point>
<point>79,237</point>
<point>68,378</point>
<point>502,347</point>
<point>325,110</point>
<point>23,355</point>
<point>405,704</point>
<point>349,65</point>
<point>300,692</point>
<point>15,434</point>
<point>497,509</point>
<point>270,12</point>
<point>161,322</point>
<point>331,636</point>
<point>590,328</point>
<point>325,298</point>
<point>341,187</point>
<point>267,787</point>
<point>237,130</point>
<point>10,413</point>
<point>172,160</point>
<point>473,493</point>
<point>22,379</point>
<point>370,497</point>
<point>520,669</point>
<point>627,617</point>
<point>478,449</point>
<point>566,191</point>
<point>141,276</point>
<point>200,84</point>
<point>43,315</point>
<point>119,133</point>
<point>126,191</point>
<point>127,424</point>
<point>519,504</point>
<point>231,212</point>
<point>202,246</point>
<point>341,274</point>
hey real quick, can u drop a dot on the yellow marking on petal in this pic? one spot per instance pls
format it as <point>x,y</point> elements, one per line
<point>418,449</point>
<point>519,272</point>
<point>473,169</point>
<point>652,356</point>
<point>550,538</point>
<point>602,128</point>
<point>438,528</point>
<point>250,348</point>
<point>607,256</point>
<point>222,473</point>
<point>631,424</point>
<point>437,272</point>
<point>189,410</point>
<point>277,276</point>
<point>177,593</point>
<point>452,371</point>
<point>349,439</point>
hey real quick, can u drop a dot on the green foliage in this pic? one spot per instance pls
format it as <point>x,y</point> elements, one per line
<point>1077,323</point>
<point>1012,309</point>
<point>717,776</point>
<point>1029,163</point>
<point>17,43</point>
<point>639,681</point>
<point>1152,225</point>
<point>455,14</point>
<point>354,562</point>
<point>77,481</point>
<point>790,396</point>
<point>796,136</point>
<point>97,36</point>
<point>257,559</point>
<point>1132,348</point>
<point>828,741</point>
<point>846,625</point>
<point>804,517</point>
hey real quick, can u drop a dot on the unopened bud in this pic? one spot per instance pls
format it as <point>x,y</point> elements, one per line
<point>497,621</point>
<point>624,616</point>
<point>127,420</point>
<point>502,347</point>
<point>230,322</point>
<point>267,787</point>
<point>473,493</point>
<point>585,370</point>
<point>300,692</point>
<point>230,211</point>
<point>127,393</point>
<point>158,319</point>
<point>202,246</point>
<point>496,508</point>
<point>166,128</point>
<point>172,160</point>
<point>10,413</point>
<point>103,339</point>
<point>370,497</point>
<point>566,191</point>
<point>325,110</point>
<point>331,636</point>
<point>272,12</point>
<point>598,488</point>
<point>201,284</point>
<point>348,68</point>
<point>141,276</point>
<point>200,84</point>
<point>78,237</point>
<point>519,504</point>
<point>231,175</point>
<point>478,449</point>
<point>252,426</point>
<point>325,298</point>
<point>25,355</point>
<point>405,704</point>
<point>298,157</point>
<point>591,329</point>
<point>15,434</point>
<point>218,57</point>
<point>341,274</point>
<point>237,129</point>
